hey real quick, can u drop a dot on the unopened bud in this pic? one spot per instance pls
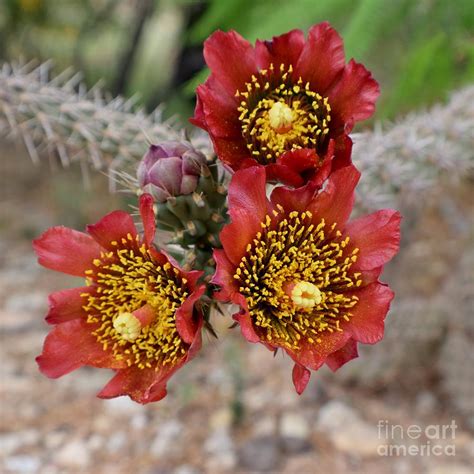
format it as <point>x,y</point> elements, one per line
<point>170,169</point>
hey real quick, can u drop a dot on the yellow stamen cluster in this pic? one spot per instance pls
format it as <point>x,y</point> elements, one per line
<point>126,279</point>
<point>295,276</point>
<point>279,114</point>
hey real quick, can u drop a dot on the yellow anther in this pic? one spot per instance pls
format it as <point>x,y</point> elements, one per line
<point>306,295</point>
<point>280,116</point>
<point>127,326</point>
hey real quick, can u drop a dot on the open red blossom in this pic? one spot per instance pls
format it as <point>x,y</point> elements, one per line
<point>305,278</point>
<point>136,313</point>
<point>288,103</point>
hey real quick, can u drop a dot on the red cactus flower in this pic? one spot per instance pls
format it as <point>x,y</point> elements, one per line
<point>306,279</point>
<point>136,313</point>
<point>287,103</point>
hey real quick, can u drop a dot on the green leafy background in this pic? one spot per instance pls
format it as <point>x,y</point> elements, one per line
<point>419,50</point>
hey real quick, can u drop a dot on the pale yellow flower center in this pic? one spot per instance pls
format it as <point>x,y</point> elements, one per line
<point>128,326</point>
<point>306,295</point>
<point>281,116</point>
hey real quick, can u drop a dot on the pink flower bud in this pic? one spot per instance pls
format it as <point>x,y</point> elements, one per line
<point>170,169</point>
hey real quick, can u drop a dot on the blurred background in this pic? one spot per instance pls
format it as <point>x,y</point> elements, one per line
<point>234,408</point>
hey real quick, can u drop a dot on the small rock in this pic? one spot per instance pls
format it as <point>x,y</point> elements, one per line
<point>450,468</point>
<point>265,427</point>
<point>334,415</point>
<point>116,442</point>
<point>221,418</point>
<point>139,421</point>
<point>165,435</point>
<point>186,469</point>
<point>30,303</point>
<point>54,438</point>
<point>123,406</point>
<point>74,455</point>
<point>88,380</point>
<point>295,432</point>
<point>259,454</point>
<point>9,443</point>
<point>22,464</point>
<point>221,448</point>
<point>95,442</point>
<point>426,403</point>
<point>294,425</point>
<point>257,399</point>
<point>347,431</point>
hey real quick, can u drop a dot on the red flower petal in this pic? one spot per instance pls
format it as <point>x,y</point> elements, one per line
<point>366,324</point>
<point>185,322</point>
<point>340,357</point>
<point>284,49</point>
<point>342,152</point>
<point>313,356</point>
<point>293,199</point>
<point>219,110</point>
<point>248,206</point>
<point>377,236</point>
<point>300,160</point>
<point>71,345</point>
<point>147,385</point>
<point>336,201</point>
<point>231,152</point>
<point>192,277</point>
<point>283,174</point>
<point>66,250</point>
<point>148,218</point>
<point>224,277</point>
<point>244,319</point>
<point>231,59</point>
<point>112,227</point>
<point>353,97</point>
<point>66,305</point>
<point>301,376</point>
<point>141,385</point>
<point>322,58</point>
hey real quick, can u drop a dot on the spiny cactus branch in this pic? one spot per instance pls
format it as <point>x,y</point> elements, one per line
<point>401,160</point>
<point>60,115</point>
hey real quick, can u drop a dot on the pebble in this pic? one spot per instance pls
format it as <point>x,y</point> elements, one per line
<point>73,455</point>
<point>260,454</point>
<point>31,303</point>
<point>347,431</point>
<point>221,418</point>
<point>220,447</point>
<point>122,406</point>
<point>450,468</point>
<point>9,443</point>
<point>116,442</point>
<point>426,403</point>
<point>266,426</point>
<point>294,425</point>
<point>54,439</point>
<point>139,421</point>
<point>166,433</point>
<point>295,433</point>
<point>22,464</point>
<point>186,469</point>
<point>96,441</point>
